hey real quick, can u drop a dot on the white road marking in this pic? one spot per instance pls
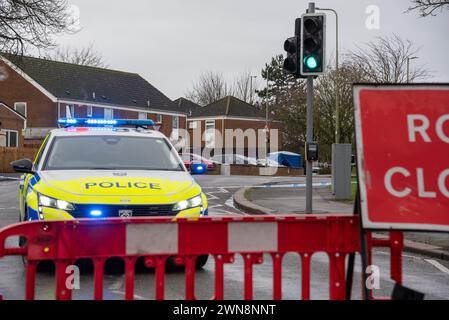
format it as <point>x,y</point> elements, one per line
<point>117,284</point>
<point>438,265</point>
<point>212,195</point>
<point>219,207</point>
<point>136,296</point>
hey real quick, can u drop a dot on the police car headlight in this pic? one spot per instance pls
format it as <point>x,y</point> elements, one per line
<point>45,201</point>
<point>187,204</point>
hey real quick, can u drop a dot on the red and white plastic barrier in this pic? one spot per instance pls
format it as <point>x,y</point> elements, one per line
<point>159,238</point>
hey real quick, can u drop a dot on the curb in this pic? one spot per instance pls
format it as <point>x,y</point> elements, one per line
<point>243,204</point>
<point>247,206</point>
<point>433,253</point>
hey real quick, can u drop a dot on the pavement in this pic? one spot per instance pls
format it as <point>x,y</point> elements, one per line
<point>291,200</point>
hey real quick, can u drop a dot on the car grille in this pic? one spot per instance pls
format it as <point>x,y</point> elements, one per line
<point>83,210</point>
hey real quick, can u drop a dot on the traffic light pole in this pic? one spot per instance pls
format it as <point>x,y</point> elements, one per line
<point>309,132</point>
<point>309,138</point>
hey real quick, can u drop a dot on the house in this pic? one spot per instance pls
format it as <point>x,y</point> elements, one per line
<point>186,106</point>
<point>43,90</point>
<point>231,120</point>
<point>12,122</point>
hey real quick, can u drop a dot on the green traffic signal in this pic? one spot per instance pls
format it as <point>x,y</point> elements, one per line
<point>311,62</point>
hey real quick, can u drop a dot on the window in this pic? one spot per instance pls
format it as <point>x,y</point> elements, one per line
<point>9,138</point>
<point>193,124</point>
<point>70,111</point>
<point>210,133</point>
<point>111,153</point>
<point>175,122</point>
<point>159,118</point>
<point>108,113</point>
<point>142,115</point>
<point>41,151</point>
<point>89,111</point>
<point>21,107</point>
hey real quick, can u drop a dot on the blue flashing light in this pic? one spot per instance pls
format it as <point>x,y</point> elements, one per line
<point>96,213</point>
<point>92,122</point>
<point>67,121</point>
<point>101,121</point>
<point>197,168</point>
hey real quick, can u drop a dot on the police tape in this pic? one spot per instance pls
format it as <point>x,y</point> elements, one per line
<point>290,185</point>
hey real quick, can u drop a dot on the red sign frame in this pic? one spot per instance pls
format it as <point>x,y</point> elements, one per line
<point>402,137</point>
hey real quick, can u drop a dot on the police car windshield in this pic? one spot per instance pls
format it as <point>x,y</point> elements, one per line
<point>111,153</point>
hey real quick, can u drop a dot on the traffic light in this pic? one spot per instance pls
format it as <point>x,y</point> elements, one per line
<point>291,63</point>
<point>312,48</point>
<point>292,45</point>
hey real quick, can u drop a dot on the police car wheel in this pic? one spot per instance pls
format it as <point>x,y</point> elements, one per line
<point>201,261</point>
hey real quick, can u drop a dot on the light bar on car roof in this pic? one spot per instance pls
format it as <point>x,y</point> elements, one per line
<point>95,122</point>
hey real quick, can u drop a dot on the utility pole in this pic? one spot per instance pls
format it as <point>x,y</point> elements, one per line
<point>309,132</point>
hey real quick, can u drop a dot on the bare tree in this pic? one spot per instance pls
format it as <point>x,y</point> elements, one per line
<point>86,56</point>
<point>32,23</point>
<point>245,86</point>
<point>429,7</point>
<point>328,85</point>
<point>385,60</point>
<point>210,87</point>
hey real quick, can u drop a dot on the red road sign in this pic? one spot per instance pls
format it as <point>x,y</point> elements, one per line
<point>402,134</point>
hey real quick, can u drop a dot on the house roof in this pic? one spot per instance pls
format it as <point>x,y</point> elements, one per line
<point>231,107</point>
<point>187,106</point>
<point>67,81</point>
<point>17,114</point>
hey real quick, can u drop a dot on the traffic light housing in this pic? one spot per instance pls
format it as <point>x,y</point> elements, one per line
<point>291,62</point>
<point>312,48</point>
<point>292,46</point>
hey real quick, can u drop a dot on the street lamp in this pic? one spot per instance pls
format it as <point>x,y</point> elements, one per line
<point>251,88</point>
<point>337,96</point>
<point>408,67</point>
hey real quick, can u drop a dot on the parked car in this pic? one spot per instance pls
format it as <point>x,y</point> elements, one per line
<point>189,158</point>
<point>269,162</point>
<point>233,159</point>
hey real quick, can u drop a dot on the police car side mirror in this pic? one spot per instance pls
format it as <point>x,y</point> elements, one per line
<point>23,165</point>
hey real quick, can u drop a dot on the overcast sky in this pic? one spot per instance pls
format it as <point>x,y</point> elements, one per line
<point>171,42</point>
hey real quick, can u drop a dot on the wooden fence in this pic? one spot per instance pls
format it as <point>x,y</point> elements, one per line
<point>7,155</point>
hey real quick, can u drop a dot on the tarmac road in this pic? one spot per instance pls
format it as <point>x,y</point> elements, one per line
<point>429,276</point>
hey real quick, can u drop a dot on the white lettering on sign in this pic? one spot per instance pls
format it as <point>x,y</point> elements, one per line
<point>419,124</point>
<point>442,183</point>
<point>420,180</point>
<point>421,188</point>
<point>387,180</point>
<point>414,127</point>
<point>439,128</point>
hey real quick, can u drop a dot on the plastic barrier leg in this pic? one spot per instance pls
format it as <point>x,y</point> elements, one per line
<point>305,276</point>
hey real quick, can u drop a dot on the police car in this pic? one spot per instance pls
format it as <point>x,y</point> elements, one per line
<point>94,168</point>
<point>101,168</point>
